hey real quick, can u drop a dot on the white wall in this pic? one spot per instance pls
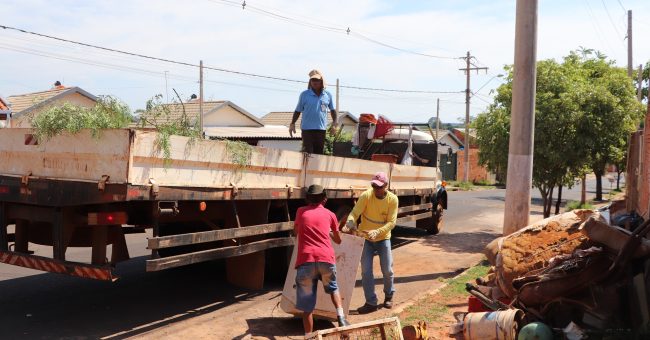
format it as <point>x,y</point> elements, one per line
<point>284,144</point>
<point>227,116</point>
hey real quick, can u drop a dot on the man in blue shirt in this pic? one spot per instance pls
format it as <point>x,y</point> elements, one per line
<point>314,104</point>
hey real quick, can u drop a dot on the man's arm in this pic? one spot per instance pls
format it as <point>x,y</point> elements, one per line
<point>336,236</point>
<point>358,209</point>
<point>335,117</point>
<point>297,224</point>
<point>292,126</point>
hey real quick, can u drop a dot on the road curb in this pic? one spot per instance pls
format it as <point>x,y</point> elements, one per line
<point>410,302</point>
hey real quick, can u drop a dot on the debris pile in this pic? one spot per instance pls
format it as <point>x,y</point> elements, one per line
<point>572,276</point>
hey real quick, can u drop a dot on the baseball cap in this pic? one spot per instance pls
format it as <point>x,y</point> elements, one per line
<point>315,74</point>
<point>379,179</point>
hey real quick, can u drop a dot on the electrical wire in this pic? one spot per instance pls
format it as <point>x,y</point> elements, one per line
<point>208,67</point>
<point>311,24</point>
<point>594,23</point>
<point>612,22</point>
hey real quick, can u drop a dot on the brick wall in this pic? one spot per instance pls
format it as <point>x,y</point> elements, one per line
<point>476,172</point>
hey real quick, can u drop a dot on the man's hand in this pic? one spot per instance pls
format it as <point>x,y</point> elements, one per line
<point>349,227</point>
<point>333,129</point>
<point>372,234</point>
<point>292,129</point>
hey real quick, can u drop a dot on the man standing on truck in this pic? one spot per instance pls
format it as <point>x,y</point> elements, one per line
<point>314,104</point>
<point>315,259</point>
<point>377,208</point>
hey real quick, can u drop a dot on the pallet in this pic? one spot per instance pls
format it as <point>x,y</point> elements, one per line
<point>383,329</point>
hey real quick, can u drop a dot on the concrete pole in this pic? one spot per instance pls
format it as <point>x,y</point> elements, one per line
<point>639,85</point>
<point>437,118</point>
<point>201,97</point>
<point>522,125</point>
<point>466,141</point>
<point>629,43</point>
<point>337,95</point>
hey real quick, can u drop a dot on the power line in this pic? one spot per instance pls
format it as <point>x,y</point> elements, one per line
<point>623,7</point>
<point>347,30</point>
<point>612,21</point>
<point>207,67</point>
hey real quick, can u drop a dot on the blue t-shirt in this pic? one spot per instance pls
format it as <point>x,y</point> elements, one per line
<point>314,109</point>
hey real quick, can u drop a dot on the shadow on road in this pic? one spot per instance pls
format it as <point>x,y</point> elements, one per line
<point>274,327</point>
<point>57,306</point>
<point>470,242</point>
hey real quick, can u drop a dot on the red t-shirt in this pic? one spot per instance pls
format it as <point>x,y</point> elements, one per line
<point>313,225</point>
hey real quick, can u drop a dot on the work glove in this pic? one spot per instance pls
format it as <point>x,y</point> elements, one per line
<point>349,227</point>
<point>372,234</point>
<point>292,129</point>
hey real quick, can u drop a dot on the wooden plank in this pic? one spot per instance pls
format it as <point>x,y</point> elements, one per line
<point>342,173</point>
<point>214,254</point>
<point>412,218</point>
<point>410,208</point>
<point>216,235</point>
<point>79,156</point>
<point>348,255</point>
<point>412,177</point>
<point>207,163</point>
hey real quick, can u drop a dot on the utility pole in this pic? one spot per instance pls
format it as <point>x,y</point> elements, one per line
<point>468,68</point>
<point>437,118</point>
<point>166,87</point>
<point>522,124</point>
<point>337,95</point>
<point>629,43</point>
<point>639,85</point>
<point>201,97</point>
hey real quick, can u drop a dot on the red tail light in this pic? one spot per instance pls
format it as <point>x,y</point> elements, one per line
<point>107,218</point>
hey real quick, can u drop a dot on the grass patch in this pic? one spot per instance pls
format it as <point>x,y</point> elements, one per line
<point>433,308</point>
<point>573,205</point>
<point>462,185</point>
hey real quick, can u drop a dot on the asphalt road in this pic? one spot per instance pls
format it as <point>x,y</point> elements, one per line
<point>38,305</point>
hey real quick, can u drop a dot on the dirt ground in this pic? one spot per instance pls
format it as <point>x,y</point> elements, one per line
<point>422,263</point>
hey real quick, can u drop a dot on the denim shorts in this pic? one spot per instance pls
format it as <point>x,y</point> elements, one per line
<point>307,276</point>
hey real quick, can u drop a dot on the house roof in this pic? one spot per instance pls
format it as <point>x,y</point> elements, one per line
<point>23,103</point>
<point>192,110</point>
<point>284,118</point>
<point>264,132</point>
<point>443,133</point>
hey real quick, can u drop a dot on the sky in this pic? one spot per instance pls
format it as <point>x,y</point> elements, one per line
<point>393,45</point>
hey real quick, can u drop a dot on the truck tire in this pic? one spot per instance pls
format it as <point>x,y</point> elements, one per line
<point>432,225</point>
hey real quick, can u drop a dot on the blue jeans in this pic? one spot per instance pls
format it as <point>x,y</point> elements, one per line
<point>307,276</point>
<point>382,248</point>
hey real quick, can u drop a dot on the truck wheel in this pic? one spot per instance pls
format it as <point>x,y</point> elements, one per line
<point>432,225</point>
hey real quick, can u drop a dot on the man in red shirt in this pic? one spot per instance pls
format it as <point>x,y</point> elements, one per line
<point>315,259</point>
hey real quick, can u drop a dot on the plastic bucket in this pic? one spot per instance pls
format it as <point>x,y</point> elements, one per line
<point>502,324</point>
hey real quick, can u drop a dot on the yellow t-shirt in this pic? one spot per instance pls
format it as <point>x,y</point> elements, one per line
<point>376,213</point>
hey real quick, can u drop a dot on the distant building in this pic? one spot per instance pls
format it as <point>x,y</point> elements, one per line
<point>219,113</point>
<point>29,105</point>
<point>345,119</point>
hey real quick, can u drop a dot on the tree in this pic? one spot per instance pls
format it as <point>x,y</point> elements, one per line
<point>585,109</point>
<point>609,111</point>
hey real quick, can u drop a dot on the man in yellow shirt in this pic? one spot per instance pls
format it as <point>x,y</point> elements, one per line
<point>377,208</point>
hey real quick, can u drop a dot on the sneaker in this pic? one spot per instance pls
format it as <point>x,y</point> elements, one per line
<point>342,321</point>
<point>388,302</point>
<point>367,308</point>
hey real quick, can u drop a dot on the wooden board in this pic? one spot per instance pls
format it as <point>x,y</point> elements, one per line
<point>206,163</point>
<point>413,177</point>
<point>76,157</point>
<point>348,257</point>
<point>342,173</point>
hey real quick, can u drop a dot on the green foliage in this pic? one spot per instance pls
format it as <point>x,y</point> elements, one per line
<point>108,113</point>
<point>463,185</point>
<point>585,109</point>
<point>573,205</point>
<point>239,152</point>
<point>159,116</point>
<point>330,139</point>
